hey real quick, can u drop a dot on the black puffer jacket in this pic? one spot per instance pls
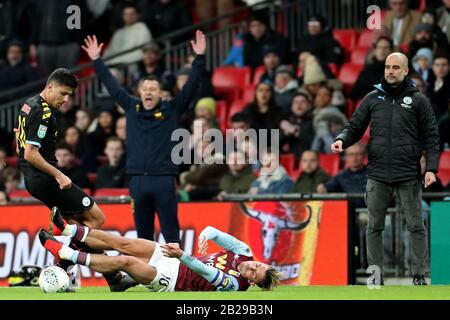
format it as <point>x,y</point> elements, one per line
<point>400,123</point>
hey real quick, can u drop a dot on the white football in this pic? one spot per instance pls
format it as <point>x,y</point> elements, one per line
<point>53,279</point>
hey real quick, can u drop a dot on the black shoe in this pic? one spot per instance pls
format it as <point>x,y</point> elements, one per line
<point>121,283</point>
<point>57,223</point>
<point>419,280</point>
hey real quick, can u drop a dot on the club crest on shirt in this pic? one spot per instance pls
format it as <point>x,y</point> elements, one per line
<point>407,100</point>
<point>26,108</point>
<point>42,130</point>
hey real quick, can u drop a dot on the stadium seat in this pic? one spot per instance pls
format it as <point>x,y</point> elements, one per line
<point>333,68</point>
<point>259,71</point>
<point>444,168</point>
<point>236,106</point>
<point>229,81</point>
<point>112,192</point>
<point>347,40</point>
<point>249,93</point>
<point>359,55</point>
<point>366,136</point>
<point>366,38</point>
<point>348,74</point>
<point>20,193</point>
<point>329,163</point>
<point>404,48</point>
<point>12,161</point>
<point>287,160</point>
<point>92,177</point>
<point>349,108</point>
<point>87,191</point>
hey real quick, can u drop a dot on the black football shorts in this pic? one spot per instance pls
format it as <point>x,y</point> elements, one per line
<point>46,189</point>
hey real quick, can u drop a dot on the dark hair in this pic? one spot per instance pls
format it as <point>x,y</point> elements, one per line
<point>129,4</point>
<point>64,146</point>
<point>63,77</point>
<point>240,117</point>
<point>312,151</point>
<point>150,77</point>
<point>271,279</point>
<point>385,38</point>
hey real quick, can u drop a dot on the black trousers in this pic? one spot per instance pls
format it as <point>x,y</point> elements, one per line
<point>155,193</point>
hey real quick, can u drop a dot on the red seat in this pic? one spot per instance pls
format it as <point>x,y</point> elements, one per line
<point>359,55</point>
<point>404,48</point>
<point>287,160</point>
<point>366,136</point>
<point>249,93</point>
<point>349,108</point>
<point>236,106</point>
<point>20,193</point>
<point>333,68</point>
<point>92,177</point>
<point>112,192</point>
<point>229,81</point>
<point>12,161</point>
<point>222,114</point>
<point>366,38</point>
<point>87,191</point>
<point>347,40</point>
<point>259,71</point>
<point>348,74</point>
<point>329,163</point>
<point>444,167</point>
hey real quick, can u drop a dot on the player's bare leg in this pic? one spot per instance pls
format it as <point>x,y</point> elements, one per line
<point>135,267</point>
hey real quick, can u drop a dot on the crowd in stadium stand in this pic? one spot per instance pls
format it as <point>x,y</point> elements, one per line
<point>308,94</point>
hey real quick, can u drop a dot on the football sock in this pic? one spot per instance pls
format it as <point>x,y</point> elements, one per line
<point>77,232</point>
<point>75,256</point>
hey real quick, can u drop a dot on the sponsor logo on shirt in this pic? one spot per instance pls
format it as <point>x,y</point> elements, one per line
<point>26,108</point>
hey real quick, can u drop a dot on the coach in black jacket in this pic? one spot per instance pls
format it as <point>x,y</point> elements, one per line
<point>150,124</point>
<point>401,120</point>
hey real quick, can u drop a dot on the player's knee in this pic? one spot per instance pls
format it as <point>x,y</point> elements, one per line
<point>95,219</point>
<point>124,262</point>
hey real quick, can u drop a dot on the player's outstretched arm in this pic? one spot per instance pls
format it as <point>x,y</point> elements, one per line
<point>224,240</point>
<point>120,95</point>
<point>222,281</point>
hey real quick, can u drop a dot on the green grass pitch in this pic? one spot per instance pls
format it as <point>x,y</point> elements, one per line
<point>281,293</point>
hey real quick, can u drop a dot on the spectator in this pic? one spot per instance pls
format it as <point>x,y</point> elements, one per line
<point>54,45</point>
<point>328,122</point>
<point>76,141</point>
<point>70,166</point>
<point>105,129</point>
<point>285,88</point>
<point>429,16</point>
<point>420,84</point>
<point>399,22</point>
<point>235,56</point>
<point>65,115</point>
<point>263,112</point>
<point>4,198</point>
<point>17,70</point>
<point>7,141</point>
<point>151,64</point>
<point>312,174</point>
<point>11,179</point>
<point>272,60</point>
<point>121,132</point>
<point>320,42</point>
<point>165,16</point>
<point>133,34</point>
<point>240,176</point>
<point>443,18</point>
<point>3,165</point>
<point>207,9</point>
<point>423,38</point>
<point>83,120</point>
<point>240,123</point>
<point>206,108</point>
<point>302,60</point>
<point>444,129</point>
<point>258,38</point>
<point>352,179</point>
<point>202,181</point>
<point>297,125</point>
<point>273,178</point>
<point>438,90</point>
<point>373,69</point>
<point>112,174</point>
<point>13,15</point>
<point>422,63</point>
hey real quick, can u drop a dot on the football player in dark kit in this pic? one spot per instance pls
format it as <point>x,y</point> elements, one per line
<point>36,134</point>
